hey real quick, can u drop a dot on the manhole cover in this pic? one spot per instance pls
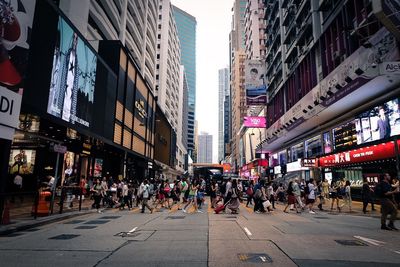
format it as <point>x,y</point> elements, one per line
<point>321,218</point>
<point>109,217</point>
<point>97,222</point>
<point>174,217</point>
<point>350,243</point>
<point>64,237</point>
<point>86,227</point>
<point>74,222</point>
<point>255,257</point>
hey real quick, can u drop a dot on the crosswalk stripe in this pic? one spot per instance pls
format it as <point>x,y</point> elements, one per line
<point>247,208</point>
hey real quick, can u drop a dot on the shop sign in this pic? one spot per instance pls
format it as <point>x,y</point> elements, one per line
<point>389,68</point>
<point>59,148</point>
<point>139,104</point>
<point>295,166</point>
<point>277,169</point>
<point>255,122</point>
<point>365,154</point>
<point>10,106</point>
<point>310,162</point>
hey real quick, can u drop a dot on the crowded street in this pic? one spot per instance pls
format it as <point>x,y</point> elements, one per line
<point>170,237</point>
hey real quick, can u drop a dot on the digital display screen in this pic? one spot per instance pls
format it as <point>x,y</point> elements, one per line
<point>71,94</point>
<point>22,161</point>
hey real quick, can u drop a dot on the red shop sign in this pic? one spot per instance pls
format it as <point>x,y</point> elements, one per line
<point>365,154</point>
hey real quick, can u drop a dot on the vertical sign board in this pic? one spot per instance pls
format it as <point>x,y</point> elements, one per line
<point>10,105</point>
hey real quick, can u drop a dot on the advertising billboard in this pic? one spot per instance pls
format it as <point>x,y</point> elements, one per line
<point>256,90</point>
<point>255,122</point>
<point>71,92</point>
<point>380,122</point>
<point>22,161</point>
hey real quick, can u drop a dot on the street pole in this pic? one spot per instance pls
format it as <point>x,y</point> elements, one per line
<point>5,147</point>
<point>53,189</point>
<point>396,149</point>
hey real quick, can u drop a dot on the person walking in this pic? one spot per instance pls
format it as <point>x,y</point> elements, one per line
<point>347,195</point>
<point>335,195</point>
<point>144,193</point>
<point>192,197</point>
<point>271,194</point>
<point>297,192</point>
<point>291,199</point>
<point>235,199</point>
<point>310,197</point>
<point>365,195</point>
<point>213,193</point>
<point>384,192</point>
<point>97,195</point>
<point>250,193</point>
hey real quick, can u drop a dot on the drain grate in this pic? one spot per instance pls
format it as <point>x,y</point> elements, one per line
<point>351,243</point>
<point>64,237</point>
<point>97,222</point>
<point>74,222</point>
<point>85,227</point>
<point>255,257</point>
<point>174,217</point>
<point>109,217</point>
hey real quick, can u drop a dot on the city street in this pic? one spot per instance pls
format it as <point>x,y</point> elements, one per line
<point>174,238</point>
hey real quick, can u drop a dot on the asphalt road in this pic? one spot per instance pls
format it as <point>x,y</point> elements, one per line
<point>174,238</point>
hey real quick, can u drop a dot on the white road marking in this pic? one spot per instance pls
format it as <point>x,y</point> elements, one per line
<point>263,259</point>
<point>133,230</point>
<point>371,241</point>
<point>247,231</point>
<point>396,251</point>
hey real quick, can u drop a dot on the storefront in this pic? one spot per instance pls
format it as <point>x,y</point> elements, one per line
<point>255,170</point>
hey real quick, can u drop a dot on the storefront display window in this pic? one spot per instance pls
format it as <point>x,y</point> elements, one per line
<point>313,147</point>
<point>297,152</point>
<point>22,161</point>
<point>282,157</point>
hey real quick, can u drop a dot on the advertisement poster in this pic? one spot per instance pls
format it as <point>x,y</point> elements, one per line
<point>256,90</point>
<point>98,167</point>
<point>327,143</point>
<point>71,94</point>
<point>255,122</point>
<point>16,17</point>
<point>22,161</point>
<point>381,122</point>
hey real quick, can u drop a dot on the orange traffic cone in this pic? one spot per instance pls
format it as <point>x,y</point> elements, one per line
<point>43,207</point>
<point>6,214</point>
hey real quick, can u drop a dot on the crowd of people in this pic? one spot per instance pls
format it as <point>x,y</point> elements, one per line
<point>298,195</point>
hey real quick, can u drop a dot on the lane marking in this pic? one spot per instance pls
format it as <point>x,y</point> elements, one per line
<point>247,231</point>
<point>371,241</point>
<point>263,259</point>
<point>133,230</point>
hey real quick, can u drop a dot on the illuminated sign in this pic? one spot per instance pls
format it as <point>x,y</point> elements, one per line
<point>365,154</point>
<point>255,122</point>
<point>140,107</point>
<point>311,162</point>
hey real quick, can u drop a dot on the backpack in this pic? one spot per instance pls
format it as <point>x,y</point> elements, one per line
<point>379,190</point>
<point>249,191</point>
<point>306,190</point>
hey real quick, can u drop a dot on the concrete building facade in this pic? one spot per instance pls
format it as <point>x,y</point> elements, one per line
<point>205,150</point>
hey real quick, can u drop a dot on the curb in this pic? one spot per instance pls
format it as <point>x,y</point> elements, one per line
<point>33,223</point>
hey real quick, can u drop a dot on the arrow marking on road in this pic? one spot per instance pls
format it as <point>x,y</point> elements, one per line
<point>371,241</point>
<point>133,230</point>
<point>247,231</point>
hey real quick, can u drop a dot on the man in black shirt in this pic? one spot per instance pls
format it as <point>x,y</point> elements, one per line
<point>384,191</point>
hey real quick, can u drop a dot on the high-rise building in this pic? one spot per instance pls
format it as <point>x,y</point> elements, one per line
<point>205,148</point>
<point>328,67</point>
<point>255,30</point>
<point>132,22</point>
<point>186,25</point>
<point>223,111</point>
<point>168,63</point>
<point>237,45</point>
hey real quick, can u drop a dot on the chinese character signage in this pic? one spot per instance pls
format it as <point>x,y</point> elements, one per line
<point>365,154</point>
<point>309,162</point>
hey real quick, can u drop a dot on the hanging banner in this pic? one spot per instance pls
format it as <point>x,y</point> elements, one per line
<point>256,90</point>
<point>255,122</point>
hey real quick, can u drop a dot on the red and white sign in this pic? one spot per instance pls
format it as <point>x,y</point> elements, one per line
<point>255,122</point>
<point>365,154</point>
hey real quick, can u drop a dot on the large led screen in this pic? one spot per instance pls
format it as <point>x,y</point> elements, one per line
<point>381,122</point>
<point>71,94</point>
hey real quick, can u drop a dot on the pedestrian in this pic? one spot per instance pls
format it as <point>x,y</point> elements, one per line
<point>297,192</point>
<point>234,200</point>
<point>192,197</point>
<point>347,195</point>
<point>396,194</point>
<point>291,199</point>
<point>97,195</point>
<point>144,193</point>
<point>335,195</point>
<point>213,193</point>
<point>250,193</point>
<point>259,193</point>
<point>310,197</point>
<point>365,195</point>
<point>280,193</point>
<point>270,194</point>
<point>125,196</point>
<point>384,191</point>
<point>228,191</point>
<point>105,191</point>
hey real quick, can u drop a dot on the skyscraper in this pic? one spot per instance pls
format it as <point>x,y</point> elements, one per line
<point>205,148</point>
<point>223,113</point>
<point>186,25</point>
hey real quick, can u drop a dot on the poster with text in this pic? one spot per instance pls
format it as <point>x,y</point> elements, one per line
<point>256,90</point>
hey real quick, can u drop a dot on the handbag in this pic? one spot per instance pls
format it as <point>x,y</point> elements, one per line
<point>249,191</point>
<point>267,204</point>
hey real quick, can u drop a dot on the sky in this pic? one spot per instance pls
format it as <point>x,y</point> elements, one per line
<point>212,53</point>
